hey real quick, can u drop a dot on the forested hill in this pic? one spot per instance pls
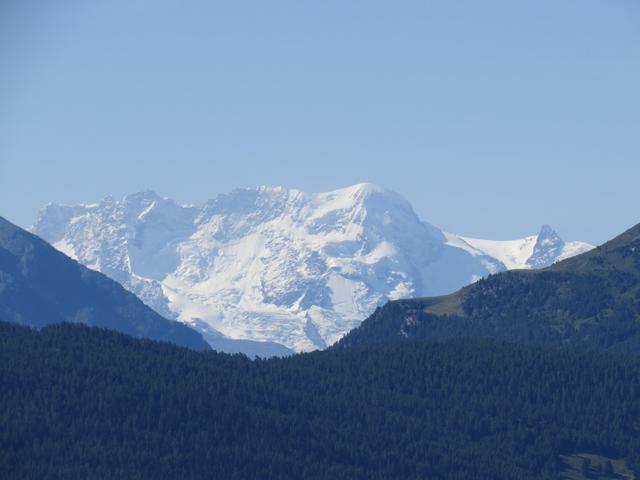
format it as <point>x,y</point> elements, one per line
<point>590,300</point>
<point>80,402</point>
<point>40,285</point>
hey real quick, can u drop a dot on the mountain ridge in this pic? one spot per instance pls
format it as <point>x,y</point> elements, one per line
<point>270,263</point>
<point>590,300</point>
<point>39,285</point>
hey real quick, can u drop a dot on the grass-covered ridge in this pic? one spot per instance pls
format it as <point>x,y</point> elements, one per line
<point>590,300</point>
<point>83,403</point>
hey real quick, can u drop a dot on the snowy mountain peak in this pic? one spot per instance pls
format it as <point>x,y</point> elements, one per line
<point>534,251</point>
<point>143,196</point>
<point>366,194</point>
<point>547,231</point>
<point>280,265</point>
<point>547,249</point>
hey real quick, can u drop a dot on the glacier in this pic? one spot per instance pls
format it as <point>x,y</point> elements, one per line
<point>281,266</point>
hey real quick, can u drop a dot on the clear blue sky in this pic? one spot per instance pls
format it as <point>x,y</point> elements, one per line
<point>491,117</point>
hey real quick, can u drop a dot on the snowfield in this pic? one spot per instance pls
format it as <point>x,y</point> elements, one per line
<point>276,265</point>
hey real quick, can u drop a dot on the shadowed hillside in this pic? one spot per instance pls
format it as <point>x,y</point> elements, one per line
<point>39,286</point>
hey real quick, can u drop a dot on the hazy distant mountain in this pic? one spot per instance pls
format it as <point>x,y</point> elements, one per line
<point>40,286</point>
<point>590,300</point>
<point>279,265</point>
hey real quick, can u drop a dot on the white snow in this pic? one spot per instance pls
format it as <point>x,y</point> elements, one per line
<point>571,249</point>
<point>279,265</point>
<point>512,253</point>
<point>65,247</point>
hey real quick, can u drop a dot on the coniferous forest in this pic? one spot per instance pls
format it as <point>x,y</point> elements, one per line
<point>591,300</point>
<point>80,402</point>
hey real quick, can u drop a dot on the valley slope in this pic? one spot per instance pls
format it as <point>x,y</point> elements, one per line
<point>40,286</point>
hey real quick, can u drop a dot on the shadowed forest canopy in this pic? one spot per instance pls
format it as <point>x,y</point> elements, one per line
<point>80,402</point>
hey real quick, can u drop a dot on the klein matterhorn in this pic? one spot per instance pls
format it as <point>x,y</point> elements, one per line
<point>282,266</point>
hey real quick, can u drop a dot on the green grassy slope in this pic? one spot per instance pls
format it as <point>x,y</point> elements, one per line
<point>590,300</point>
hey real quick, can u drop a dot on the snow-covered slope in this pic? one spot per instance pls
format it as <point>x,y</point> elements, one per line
<point>277,265</point>
<point>534,251</point>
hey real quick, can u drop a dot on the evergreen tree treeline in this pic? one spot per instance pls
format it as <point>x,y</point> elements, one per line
<point>78,402</point>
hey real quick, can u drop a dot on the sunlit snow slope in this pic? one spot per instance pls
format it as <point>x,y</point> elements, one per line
<point>278,265</point>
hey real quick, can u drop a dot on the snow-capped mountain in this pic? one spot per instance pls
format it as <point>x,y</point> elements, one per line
<point>534,251</point>
<point>277,265</point>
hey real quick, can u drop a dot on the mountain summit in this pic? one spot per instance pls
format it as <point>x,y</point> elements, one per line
<point>549,247</point>
<point>281,265</point>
